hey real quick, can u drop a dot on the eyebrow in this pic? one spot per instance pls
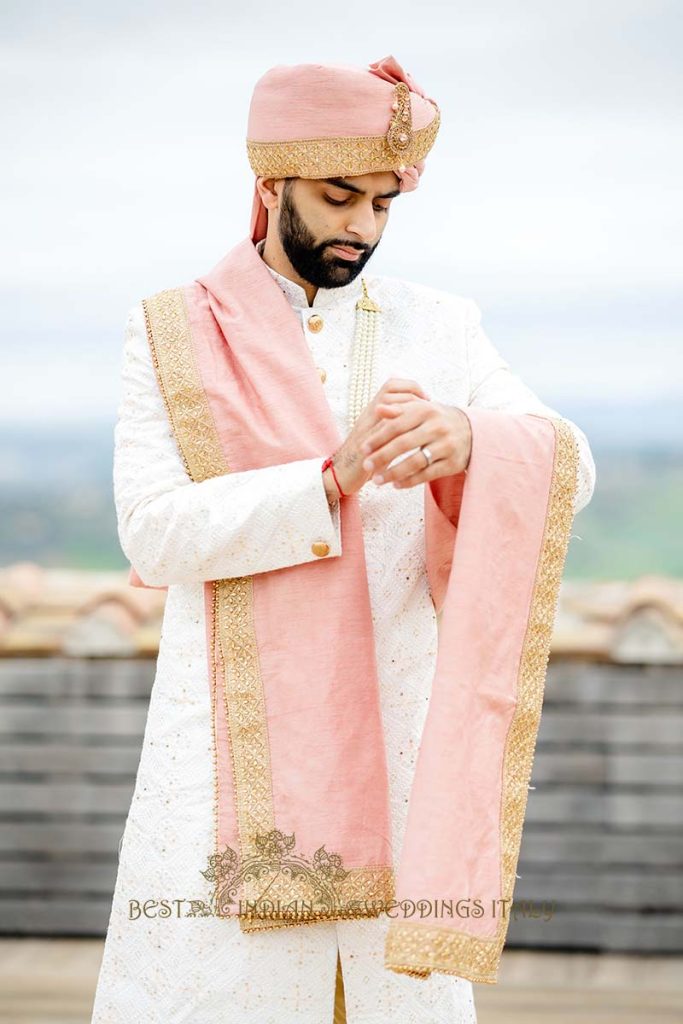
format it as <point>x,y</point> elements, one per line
<point>342,183</point>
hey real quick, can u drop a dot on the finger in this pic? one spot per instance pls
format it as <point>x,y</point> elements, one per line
<point>415,463</point>
<point>392,403</point>
<point>402,384</point>
<point>394,397</point>
<point>437,469</point>
<point>383,456</point>
<point>397,421</point>
<point>390,409</point>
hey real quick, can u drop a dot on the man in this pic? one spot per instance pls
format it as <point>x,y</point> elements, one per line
<point>181,529</point>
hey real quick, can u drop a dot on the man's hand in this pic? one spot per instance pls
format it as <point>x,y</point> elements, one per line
<point>411,423</point>
<point>348,461</point>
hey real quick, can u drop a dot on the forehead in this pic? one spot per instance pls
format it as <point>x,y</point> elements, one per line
<point>375,183</point>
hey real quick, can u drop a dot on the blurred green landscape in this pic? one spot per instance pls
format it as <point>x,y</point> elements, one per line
<point>57,505</point>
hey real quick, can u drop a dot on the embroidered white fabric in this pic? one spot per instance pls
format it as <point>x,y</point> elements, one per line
<point>172,969</point>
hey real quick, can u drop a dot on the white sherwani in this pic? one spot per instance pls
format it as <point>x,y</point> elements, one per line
<point>204,970</point>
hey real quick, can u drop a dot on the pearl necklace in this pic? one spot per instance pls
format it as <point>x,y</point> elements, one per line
<point>362,387</point>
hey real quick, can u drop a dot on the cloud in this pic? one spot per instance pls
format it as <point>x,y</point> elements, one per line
<point>551,196</point>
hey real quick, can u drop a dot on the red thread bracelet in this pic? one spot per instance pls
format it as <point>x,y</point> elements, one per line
<point>328,464</point>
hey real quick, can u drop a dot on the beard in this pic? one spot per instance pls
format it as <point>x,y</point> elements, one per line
<point>316,263</point>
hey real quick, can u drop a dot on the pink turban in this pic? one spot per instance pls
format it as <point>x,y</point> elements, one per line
<point>332,120</point>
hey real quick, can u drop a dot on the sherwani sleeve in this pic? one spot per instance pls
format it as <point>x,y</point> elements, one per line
<point>493,384</point>
<point>175,530</point>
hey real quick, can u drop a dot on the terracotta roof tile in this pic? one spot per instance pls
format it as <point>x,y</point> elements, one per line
<point>72,611</point>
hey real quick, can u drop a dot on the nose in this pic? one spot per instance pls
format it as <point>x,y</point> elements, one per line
<point>362,222</point>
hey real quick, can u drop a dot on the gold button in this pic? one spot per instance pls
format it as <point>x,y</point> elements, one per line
<point>323,374</point>
<point>320,548</point>
<point>315,323</point>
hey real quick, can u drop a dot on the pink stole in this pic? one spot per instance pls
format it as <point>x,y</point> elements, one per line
<point>302,826</point>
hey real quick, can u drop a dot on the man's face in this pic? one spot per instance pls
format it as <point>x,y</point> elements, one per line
<point>316,215</point>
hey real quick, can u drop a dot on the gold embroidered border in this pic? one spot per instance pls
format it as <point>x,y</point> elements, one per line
<point>417,948</point>
<point>245,711</point>
<point>233,637</point>
<point>325,158</point>
<point>168,332</point>
<point>362,894</point>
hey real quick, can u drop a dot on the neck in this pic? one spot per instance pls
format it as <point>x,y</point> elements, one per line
<point>274,255</point>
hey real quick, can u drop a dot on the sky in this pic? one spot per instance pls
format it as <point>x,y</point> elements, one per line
<point>552,195</point>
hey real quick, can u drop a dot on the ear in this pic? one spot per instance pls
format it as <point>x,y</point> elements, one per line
<point>266,190</point>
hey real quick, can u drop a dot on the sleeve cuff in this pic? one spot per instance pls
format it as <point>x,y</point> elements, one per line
<point>328,520</point>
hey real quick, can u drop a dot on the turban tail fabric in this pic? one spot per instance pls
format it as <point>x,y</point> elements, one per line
<point>336,120</point>
<point>301,785</point>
